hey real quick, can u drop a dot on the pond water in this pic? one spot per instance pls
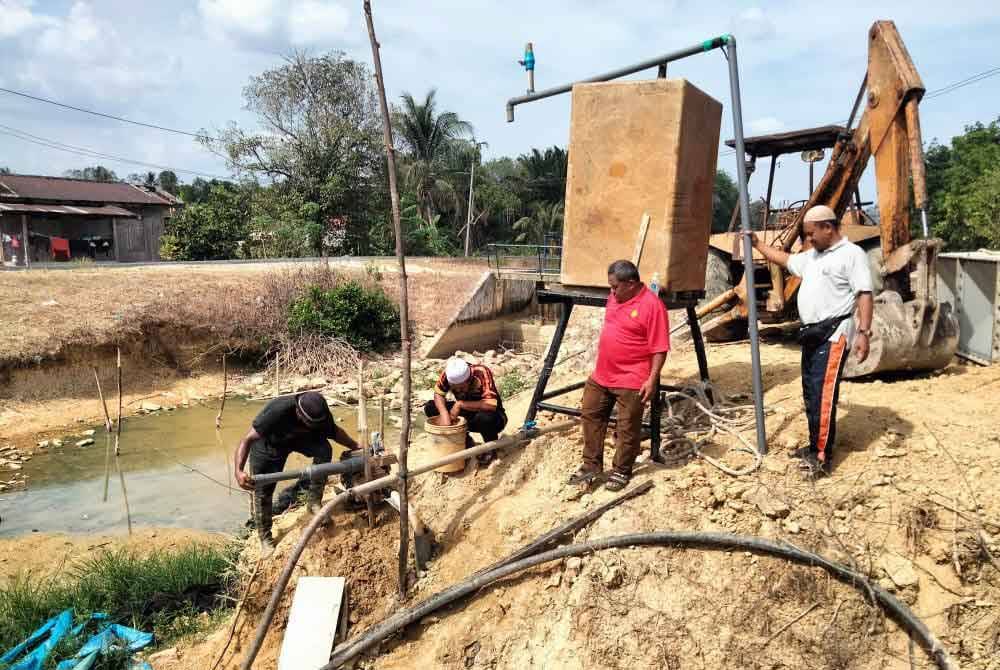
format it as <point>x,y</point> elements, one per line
<point>66,485</point>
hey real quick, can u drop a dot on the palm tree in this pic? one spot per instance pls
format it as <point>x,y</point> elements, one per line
<point>427,140</point>
<point>546,218</point>
<point>546,173</point>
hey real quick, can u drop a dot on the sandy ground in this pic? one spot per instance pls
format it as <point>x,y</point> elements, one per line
<point>910,451</point>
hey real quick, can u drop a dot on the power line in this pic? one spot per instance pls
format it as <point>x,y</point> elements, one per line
<point>90,153</point>
<point>944,90</point>
<point>104,115</point>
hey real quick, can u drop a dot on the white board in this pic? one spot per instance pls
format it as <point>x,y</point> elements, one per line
<point>312,623</point>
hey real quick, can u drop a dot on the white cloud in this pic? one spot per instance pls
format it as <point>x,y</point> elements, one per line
<point>17,18</point>
<point>754,24</point>
<point>766,125</point>
<point>272,25</point>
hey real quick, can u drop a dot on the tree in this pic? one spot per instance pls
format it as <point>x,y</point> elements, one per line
<point>546,174</point>
<point>429,142</point>
<point>547,218</point>
<point>320,140</point>
<point>5,170</point>
<point>209,230</point>
<point>167,180</point>
<point>95,173</point>
<point>725,196</point>
<point>963,188</point>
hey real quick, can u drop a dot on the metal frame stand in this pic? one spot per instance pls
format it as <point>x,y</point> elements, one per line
<point>539,399</point>
<point>727,43</point>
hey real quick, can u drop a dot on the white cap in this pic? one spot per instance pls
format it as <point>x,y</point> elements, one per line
<point>457,371</point>
<point>820,213</point>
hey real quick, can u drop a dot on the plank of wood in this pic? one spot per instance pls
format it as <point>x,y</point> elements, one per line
<point>312,623</point>
<point>641,241</point>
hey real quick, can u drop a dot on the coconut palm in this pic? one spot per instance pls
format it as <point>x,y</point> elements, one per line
<point>427,140</point>
<point>545,219</point>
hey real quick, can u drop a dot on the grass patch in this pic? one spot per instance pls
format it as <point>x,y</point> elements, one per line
<point>165,593</point>
<point>512,383</point>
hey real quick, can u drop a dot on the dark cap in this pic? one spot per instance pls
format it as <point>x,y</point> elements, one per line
<point>313,408</point>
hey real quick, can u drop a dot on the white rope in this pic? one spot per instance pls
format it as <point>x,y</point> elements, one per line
<point>689,431</point>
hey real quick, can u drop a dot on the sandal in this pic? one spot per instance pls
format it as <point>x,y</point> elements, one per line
<point>616,481</point>
<point>584,476</point>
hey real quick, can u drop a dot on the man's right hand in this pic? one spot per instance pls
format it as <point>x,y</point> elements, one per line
<point>754,240</point>
<point>244,480</point>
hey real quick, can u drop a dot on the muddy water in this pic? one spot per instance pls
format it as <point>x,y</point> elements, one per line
<point>66,485</point>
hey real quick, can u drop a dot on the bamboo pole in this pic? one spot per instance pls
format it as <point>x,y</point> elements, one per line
<point>363,435</point>
<point>404,322</point>
<point>225,387</point>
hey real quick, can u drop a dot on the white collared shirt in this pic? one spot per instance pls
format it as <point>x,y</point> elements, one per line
<point>831,282</point>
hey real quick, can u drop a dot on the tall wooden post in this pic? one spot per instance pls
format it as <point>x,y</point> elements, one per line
<point>404,321</point>
<point>24,240</point>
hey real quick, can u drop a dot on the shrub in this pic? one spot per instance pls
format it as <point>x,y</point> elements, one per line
<point>363,316</point>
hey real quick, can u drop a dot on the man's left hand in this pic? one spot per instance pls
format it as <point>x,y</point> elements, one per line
<point>456,409</point>
<point>647,391</point>
<point>861,345</point>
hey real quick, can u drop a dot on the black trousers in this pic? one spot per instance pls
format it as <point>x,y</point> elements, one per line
<point>266,458</point>
<point>822,368</point>
<point>486,423</point>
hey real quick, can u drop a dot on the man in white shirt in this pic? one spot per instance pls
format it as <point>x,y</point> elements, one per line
<point>836,285</point>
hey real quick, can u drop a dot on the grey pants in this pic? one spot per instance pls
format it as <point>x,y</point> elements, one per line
<point>266,459</point>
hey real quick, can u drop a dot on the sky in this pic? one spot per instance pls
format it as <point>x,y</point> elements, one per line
<point>183,64</point>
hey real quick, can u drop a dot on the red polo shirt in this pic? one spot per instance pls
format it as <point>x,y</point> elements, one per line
<point>633,331</point>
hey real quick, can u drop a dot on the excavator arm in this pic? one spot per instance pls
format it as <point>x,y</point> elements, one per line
<point>912,330</point>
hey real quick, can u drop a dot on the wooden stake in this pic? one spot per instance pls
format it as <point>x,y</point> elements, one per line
<point>118,428</point>
<point>225,386</point>
<point>121,478</point>
<point>404,321</point>
<point>363,434</point>
<point>218,427</point>
<point>107,442</point>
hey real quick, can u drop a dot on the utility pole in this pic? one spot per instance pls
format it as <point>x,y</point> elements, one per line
<point>468,216</point>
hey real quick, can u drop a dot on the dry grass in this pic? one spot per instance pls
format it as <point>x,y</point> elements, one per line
<point>46,314</point>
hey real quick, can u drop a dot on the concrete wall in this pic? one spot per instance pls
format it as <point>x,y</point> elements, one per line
<point>478,325</point>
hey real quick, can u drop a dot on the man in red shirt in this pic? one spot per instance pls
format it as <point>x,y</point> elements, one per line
<point>633,346</point>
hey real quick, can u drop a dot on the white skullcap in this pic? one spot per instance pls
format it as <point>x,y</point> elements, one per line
<point>820,213</point>
<point>457,371</point>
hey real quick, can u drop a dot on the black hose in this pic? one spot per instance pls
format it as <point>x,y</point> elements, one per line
<point>896,610</point>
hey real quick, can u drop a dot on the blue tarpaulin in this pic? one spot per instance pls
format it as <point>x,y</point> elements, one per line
<point>109,636</point>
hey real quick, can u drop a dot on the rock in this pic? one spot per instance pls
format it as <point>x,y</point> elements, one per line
<point>613,577</point>
<point>57,443</point>
<point>899,570</point>
<point>840,514</point>
<point>318,381</point>
<point>889,452</point>
<point>44,444</point>
<point>15,466</point>
<point>257,380</point>
<point>574,565</point>
<point>425,395</point>
<point>147,406</point>
<point>85,443</point>
<point>770,506</point>
<point>300,382</point>
<point>88,433</point>
<point>881,481</point>
<point>791,527</point>
<point>490,355</point>
<point>555,580</point>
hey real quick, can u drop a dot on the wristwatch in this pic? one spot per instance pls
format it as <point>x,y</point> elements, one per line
<point>867,332</point>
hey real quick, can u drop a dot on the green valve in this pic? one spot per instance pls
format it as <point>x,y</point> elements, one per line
<point>715,42</point>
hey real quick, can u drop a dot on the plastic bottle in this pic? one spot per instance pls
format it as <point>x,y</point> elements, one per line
<point>654,285</point>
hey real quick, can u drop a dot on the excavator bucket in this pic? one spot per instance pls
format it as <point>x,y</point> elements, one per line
<point>919,334</point>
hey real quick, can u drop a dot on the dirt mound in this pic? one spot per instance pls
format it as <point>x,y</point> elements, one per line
<point>914,503</point>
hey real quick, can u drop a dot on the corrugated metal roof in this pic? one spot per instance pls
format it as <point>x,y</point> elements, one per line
<point>19,187</point>
<point>107,210</point>
<point>981,255</point>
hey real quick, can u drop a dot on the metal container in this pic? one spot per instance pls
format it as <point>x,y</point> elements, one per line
<point>971,282</point>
